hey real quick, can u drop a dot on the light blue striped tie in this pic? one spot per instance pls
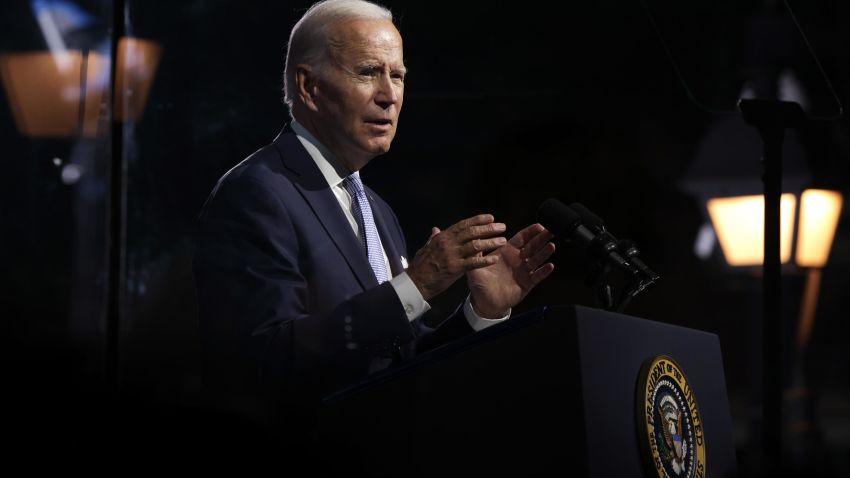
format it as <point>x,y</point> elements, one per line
<point>362,212</point>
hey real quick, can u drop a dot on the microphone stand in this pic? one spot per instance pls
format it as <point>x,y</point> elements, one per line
<point>637,282</point>
<point>637,286</point>
<point>599,280</point>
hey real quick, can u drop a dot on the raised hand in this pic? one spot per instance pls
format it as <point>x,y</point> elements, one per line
<point>521,265</point>
<point>449,254</point>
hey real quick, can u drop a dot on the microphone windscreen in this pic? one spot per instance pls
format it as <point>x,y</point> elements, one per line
<point>557,217</point>
<point>588,218</point>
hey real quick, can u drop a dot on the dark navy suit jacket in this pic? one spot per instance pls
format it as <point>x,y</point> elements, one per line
<point>286,294</point>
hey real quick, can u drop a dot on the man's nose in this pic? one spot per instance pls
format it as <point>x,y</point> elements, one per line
<point>388,93</point>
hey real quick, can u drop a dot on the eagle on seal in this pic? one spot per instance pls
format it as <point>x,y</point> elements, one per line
<point>671,421</point>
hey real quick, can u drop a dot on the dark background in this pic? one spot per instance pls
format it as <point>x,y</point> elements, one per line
<point>505,107</point>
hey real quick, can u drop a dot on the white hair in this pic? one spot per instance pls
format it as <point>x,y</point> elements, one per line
<point>308,42</point>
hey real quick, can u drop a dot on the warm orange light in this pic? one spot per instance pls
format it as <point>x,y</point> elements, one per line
<point>137,62</point>
<point>45,94</point>
<point>819,211</point>
<point>739,224</point>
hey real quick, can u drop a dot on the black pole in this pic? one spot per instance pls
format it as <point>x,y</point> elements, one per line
<point>772,293</point>
<point>117,175</point>
<point>771,118</point>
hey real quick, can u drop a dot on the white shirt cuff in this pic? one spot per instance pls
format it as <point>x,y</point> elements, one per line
<point>477,322</point>
<point>411,299</point>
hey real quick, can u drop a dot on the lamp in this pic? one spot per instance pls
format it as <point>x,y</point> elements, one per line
<point>739,225</point>
<point>725,178</point>
<point>58,94</point>
<point>818,221</point>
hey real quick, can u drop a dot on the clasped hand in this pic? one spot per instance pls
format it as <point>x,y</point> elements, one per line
<point>500,272</point>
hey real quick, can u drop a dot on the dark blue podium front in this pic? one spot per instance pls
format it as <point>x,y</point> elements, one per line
<point>550,392</point>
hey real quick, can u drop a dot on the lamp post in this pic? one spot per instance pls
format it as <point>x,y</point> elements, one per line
<point>739,226</point>
<point>91,94</point>
<point>723,172</point>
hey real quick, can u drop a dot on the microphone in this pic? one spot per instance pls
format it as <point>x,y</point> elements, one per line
<point>631,252</point>
<point>565,223</point>
<point>627,247</point>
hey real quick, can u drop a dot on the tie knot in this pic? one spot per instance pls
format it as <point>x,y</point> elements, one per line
<point>353,184</point>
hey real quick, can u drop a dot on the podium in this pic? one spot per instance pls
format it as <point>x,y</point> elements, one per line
<point>548,393</point>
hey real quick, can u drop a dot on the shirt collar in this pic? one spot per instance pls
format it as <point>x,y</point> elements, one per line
<point>332,168</point>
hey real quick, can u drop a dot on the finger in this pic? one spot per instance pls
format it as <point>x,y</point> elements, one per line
<point>541,273</point>
<point>478,220</point>
<point>522,237</point>
<point>434,231</point>
<point>479,261</point>
<point>478,246</point>
<point>542,255</point>
<point>535,243</point>
<point>481,232</point>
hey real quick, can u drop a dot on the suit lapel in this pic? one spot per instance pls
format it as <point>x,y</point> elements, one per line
<point>315,190</point>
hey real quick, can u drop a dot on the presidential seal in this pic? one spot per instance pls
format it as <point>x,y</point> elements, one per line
<point>670,429</point>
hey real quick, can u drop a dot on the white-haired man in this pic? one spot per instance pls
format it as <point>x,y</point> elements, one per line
<point>302,272</point>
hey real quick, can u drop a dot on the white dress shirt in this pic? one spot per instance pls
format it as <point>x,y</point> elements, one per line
<point>335,172</point>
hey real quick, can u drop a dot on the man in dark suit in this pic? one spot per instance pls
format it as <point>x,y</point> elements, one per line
<point>302,273</point>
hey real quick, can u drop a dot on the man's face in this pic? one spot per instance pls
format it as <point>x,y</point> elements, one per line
<point>359,94</point>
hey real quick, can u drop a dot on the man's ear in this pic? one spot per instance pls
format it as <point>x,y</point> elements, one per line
<point>305,82</point>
